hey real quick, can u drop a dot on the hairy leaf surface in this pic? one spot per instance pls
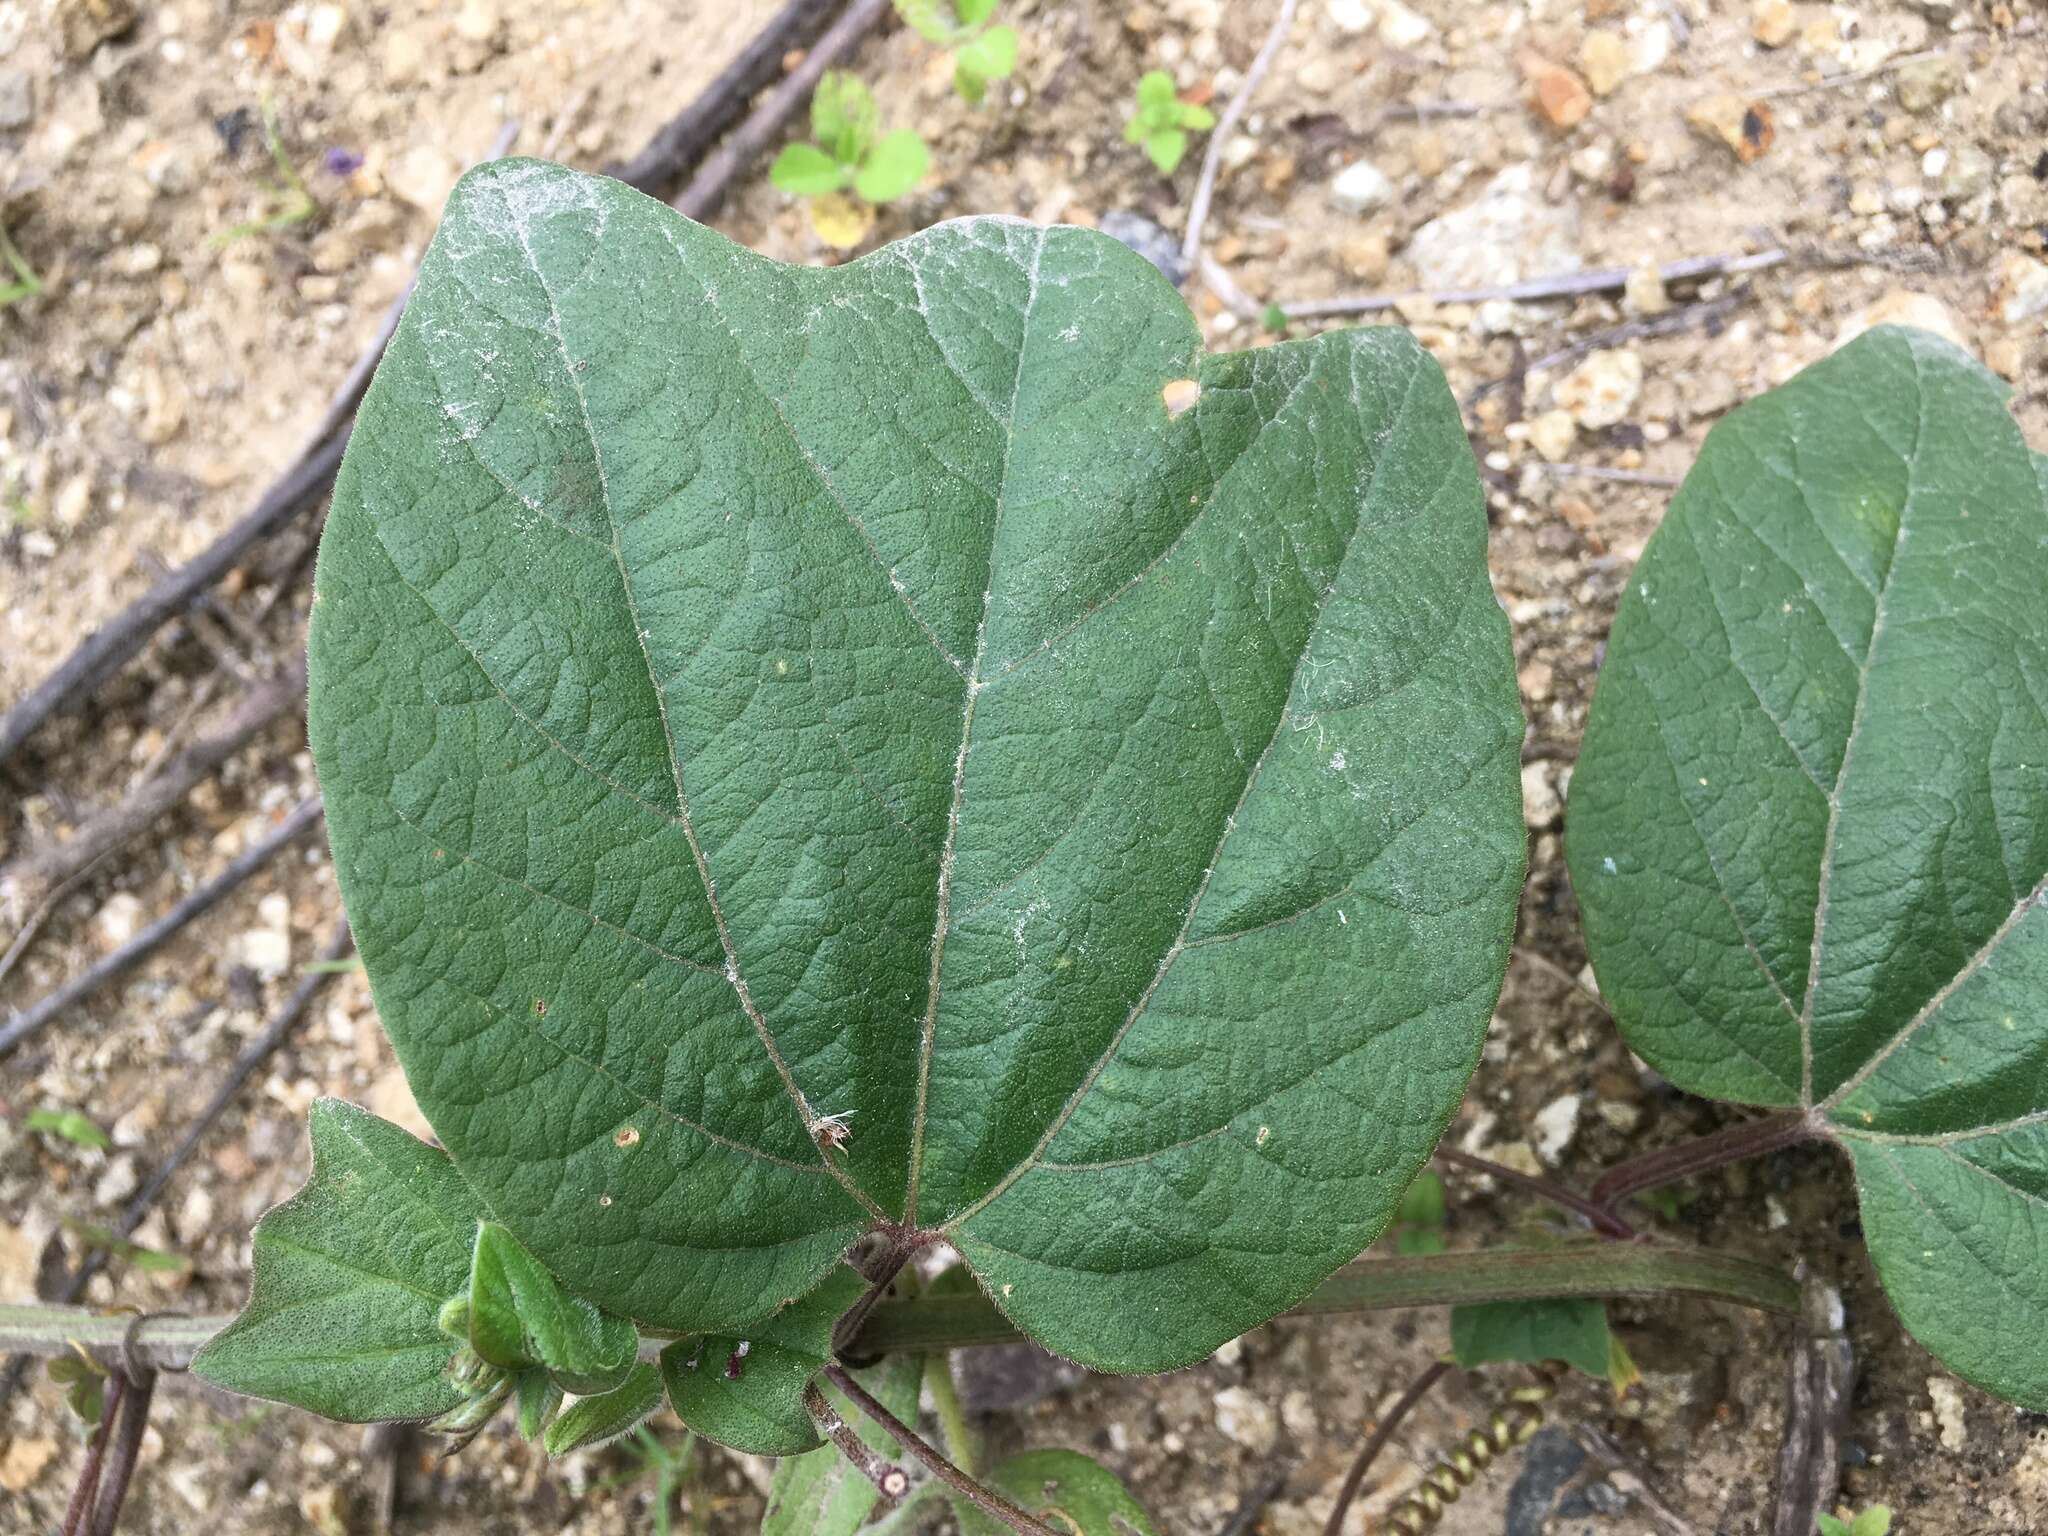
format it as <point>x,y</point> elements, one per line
<point>350,1275</point>
<point>1809,828</point>
<point>747,695</point>
<point>1065,1490</point>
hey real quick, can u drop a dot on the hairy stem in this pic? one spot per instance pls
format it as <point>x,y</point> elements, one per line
<point>926,1323</point>
<point>987,1500</point>
<point>120,1470</point>
<point>889,1479</point>
<point>88,1487</point>
<point>1418,1389</point>
<point>1604,1221</point>
<point>1732,1144</point>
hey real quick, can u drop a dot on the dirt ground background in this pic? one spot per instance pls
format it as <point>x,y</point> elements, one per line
<point>164,377</point>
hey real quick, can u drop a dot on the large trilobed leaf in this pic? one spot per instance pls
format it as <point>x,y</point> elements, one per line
<point>748,694</point>
<point>1809,828</point>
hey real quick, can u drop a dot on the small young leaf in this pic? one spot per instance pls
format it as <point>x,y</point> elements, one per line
<point>539,1398</point>
<point>1196,119</point>
<point>520,1316</point>
<point>924,653</point>
<point>844,119</point>
<point>598,1420</point>
<point>1809,827</point>
<point>821,1493</point>
<point>344,1313</point>
<point>804,170</point>
<point>1418,1224</point>
<point>1156,89</point>
<point>1066,1490</point>
<point>1166,146</point>
<point>71,1125</point>
<point>892,167</point>
<point>973,13</point>
<point>1530,1332</point>
<point>931,20</point>
<point>991,56</point>
<point>747,1392</point>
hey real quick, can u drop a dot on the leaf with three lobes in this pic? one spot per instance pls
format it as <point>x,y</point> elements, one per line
<point>821,1493</point>
<point>749,694</point>
<point>350,1275</point>
<point>1809,827</point>
<point>747,1392</point>
<point>519,1315</point>
<point>1065,1490</point>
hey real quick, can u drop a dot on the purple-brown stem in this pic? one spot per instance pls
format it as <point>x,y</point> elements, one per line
<point>987,1500</point>
<point>88,1487</point>
<point>1604,1220</point>
<point>889,1479</point>
<point>106,1511</point>
<point>1732,1144</point>
<point>1368,1453</point>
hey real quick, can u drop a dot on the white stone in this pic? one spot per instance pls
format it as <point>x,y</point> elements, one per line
<point>1401,27</point>
<point>1361,187</point>
<point>1948,1412</point>
<point>1555,1124</point>
<point>1504,235</point>
<point>118,1182</point>
<point>2022,286</point>
<point>1541,806</point>
<point>117,921</point>
<point>1354,18</point>
<point>1298,1413</point>
<point>1602,390</point>
<point>195,1217</point>
<point>1902,306</point>
<point>1245,1419</point>
<point>265,951</point>
<point>1552,434</point>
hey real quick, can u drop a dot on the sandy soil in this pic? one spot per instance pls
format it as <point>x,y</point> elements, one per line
<point>166,374</point>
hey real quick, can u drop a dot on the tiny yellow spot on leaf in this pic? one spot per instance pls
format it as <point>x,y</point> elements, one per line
<point>603,1200</point>
<point>629,1136</point>
<point>1180,395</point>
<point>1264,1132</point>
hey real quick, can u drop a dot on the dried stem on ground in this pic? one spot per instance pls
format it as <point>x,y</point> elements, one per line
<point>1383,1432</point>
<point>1212,157</point>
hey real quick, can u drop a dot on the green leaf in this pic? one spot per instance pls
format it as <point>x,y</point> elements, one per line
<point>892,167</point>
<point>973,88</point>
<point>821,1493</point>
<point>843,117</point>
<point>540,1397</point>
<point>1068,1491</point>
<point>1156,89</point>
<point>1809,829</point>
<point>520,1315</point>
<point>991,56</point>
<point>349,1277</point>
<point>747,1391</point>
<point>931,20</point>
<point>750,695</point>
<point>598,1420</point>
<point>1165,146</point>
<point>804,170</point>
<point>973,13</point>
<point>1530,1332</point>
<point>1196,119</point>
<point>1418,1224</point>
<point>71,1125</point>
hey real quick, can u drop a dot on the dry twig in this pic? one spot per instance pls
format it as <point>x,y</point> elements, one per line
<point>1563,285</point>
<point>1212,157</point>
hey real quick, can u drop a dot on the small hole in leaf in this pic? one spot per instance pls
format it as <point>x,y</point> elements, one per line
<point>540,1007</point>
<point>629,1136</point>
<point>1180,396</point>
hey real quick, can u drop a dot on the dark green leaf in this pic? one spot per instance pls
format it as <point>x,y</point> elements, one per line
<point>350,1273</point>
<point>1809,830</point>
<point>1066,1490</point>
<point>1530,1332</point>
<point>594,1421</point>
<point>821,1493</point>
<point>539,1398</point>
<point>520,1315</point>
<point>748,696</point>
<point>746,1392</point>
<point>1418,1225</point>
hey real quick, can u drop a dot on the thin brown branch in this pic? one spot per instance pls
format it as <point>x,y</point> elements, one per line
<point>1731,1144</point>
<point>1383,1432</point>
<point>1604,1221</point>
<point>32,1018</point>
<point>87,1489</point>
<point>127,1447</point>
<point>1212,157</point>
<point>765,124</point>
<point>685,139</point>
<point>1816,1413</point>
<point>987,1500</point>
<point>42,869</point>
<point>1562,285</point>
<point>890,1480</point>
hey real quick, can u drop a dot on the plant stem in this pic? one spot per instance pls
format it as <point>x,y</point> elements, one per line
<point>1731,1144</point>
<point>889,1479</point>
<point>938,1378</point>
<point>987,1500</point>
<point>88,1487</point>
<point>1418,1389</point>
<point>926,1323</point>
<point>113,1491</point>
<point>1604,1221</point>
